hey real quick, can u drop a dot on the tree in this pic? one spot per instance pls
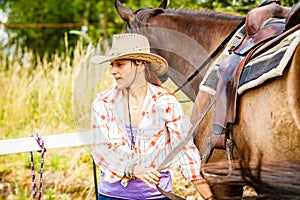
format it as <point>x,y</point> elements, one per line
<point>62,16</point>
<point>51,19</point>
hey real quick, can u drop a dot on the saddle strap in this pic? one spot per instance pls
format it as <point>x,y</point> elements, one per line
<point>227,113</point>
<point>168,194</point>
<point>226,96</point>
<point>219,138</point>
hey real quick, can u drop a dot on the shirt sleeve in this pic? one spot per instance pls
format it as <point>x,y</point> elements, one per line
<point>107,154</point>
<point>178,126</point>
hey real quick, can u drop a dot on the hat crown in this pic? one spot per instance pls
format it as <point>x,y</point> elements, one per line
<point>129,43</point>
<point>133,47</point>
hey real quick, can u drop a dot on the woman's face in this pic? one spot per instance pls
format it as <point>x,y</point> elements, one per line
<point>124,72</point>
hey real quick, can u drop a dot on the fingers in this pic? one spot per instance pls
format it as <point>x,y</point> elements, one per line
<point>157,174</point>
<point>149,178</point>
<point>153,178</point>
<point>148,183</point>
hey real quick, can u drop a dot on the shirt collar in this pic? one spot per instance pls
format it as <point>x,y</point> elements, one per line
<point>114,95</point>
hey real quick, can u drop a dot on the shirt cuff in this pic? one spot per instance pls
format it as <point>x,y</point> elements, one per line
<point>191,171</point>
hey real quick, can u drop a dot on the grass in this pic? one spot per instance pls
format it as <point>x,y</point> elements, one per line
<point>50,97</point>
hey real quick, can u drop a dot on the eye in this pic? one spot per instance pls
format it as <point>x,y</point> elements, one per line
<point>116,64</point>
<point>128,28</point>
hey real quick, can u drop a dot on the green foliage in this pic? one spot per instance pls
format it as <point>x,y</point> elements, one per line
<point>50,193</point>
<point>100,17</point>
<point>289,3</point>
<point>56,162</point>
<point>47,40</point>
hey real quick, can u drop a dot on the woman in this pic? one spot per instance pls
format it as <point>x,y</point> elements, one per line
<point>136,124</point>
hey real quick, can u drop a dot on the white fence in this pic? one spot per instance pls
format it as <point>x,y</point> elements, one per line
<point>20,145</point>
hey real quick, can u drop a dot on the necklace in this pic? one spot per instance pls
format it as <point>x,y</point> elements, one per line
<point>130,125</point>
<point>134,106</point>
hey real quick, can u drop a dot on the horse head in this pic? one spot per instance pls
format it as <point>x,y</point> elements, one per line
<point>129,16</point>
<point>168,39</point>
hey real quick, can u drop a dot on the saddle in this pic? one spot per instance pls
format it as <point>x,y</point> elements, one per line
<point>265,27</point>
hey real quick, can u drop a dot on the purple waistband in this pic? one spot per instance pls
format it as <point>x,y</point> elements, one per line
<point>135,189</point>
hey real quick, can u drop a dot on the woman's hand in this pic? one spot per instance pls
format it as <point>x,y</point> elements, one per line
<point>149,176</point>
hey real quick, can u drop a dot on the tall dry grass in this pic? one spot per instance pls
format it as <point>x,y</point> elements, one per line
<point>39,98</point>
<point>50,97</point>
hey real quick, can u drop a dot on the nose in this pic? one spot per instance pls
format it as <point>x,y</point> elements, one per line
<point>113,70</point>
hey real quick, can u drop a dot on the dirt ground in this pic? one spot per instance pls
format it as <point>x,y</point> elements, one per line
<point>67,175</point>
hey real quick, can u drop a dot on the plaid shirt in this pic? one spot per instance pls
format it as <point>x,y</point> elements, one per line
<point>162,126</point>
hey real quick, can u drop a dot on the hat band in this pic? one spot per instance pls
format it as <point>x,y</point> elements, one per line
<point>135,50</point>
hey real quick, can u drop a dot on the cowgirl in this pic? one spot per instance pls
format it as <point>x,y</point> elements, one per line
<point>136,124</point>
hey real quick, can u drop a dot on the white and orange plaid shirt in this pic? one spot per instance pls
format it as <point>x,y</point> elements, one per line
<point>162,126</point>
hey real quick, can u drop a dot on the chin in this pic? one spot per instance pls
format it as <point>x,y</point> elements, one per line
<point>121,87</point>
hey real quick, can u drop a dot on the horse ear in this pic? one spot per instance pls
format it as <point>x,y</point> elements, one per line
<point>164,4</point>
<point>125,13</point>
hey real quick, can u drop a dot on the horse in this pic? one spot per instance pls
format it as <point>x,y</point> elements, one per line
<point>268,116</point>
<point>190,40</point>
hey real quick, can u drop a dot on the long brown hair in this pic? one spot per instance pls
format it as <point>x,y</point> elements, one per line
<point>150,76</point>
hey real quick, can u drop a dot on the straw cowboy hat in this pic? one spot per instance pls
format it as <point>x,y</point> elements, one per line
<point>133,47</point>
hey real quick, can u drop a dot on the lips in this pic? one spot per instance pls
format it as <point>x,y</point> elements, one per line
<point>118,79</point>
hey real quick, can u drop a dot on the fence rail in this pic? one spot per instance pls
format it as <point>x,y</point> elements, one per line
<point>19,145</point>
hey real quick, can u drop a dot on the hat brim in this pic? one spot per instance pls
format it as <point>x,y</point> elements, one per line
<point>158,64</point>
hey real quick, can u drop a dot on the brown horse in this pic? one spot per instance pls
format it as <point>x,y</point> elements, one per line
<point>268,120</point>
<point>184,37</point>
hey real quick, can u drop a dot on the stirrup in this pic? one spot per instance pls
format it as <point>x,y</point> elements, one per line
<point>219,136</point>
<point>218,129</point>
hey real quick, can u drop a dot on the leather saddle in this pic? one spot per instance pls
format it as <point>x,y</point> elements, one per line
<point>263,26</point>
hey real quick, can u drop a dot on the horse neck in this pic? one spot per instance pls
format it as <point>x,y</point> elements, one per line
<point>208,28</point>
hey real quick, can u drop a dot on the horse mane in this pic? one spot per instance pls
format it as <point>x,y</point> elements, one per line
<point>214,15</point>
<point>144,14</point>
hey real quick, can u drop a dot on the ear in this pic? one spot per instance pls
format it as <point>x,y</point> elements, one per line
<point>141,67</point>
<point>125,13</point>
<point>164,4</point>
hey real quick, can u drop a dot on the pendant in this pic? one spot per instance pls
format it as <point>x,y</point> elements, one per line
<point>135,107</point>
